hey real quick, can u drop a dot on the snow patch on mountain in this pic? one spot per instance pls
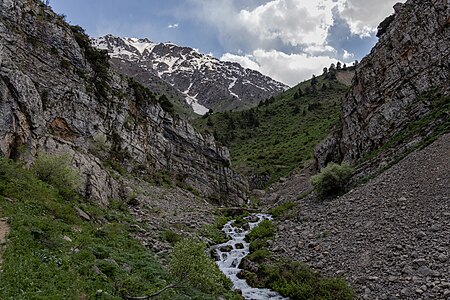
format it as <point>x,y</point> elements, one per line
<point>209,79</point>
<point>140,45</point>
<point>230,87</point>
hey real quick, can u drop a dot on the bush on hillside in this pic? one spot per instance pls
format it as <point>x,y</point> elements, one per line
<point>57,171</point>
<point>283,210</point>
<point>297,281</point>
<point>190,264</point>
<point>264,230</point>
<point>332,180</point>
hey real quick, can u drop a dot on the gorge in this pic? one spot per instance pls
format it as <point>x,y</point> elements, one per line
<point>112,187</point>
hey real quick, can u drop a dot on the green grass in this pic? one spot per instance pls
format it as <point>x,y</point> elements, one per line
<point>51,253</point>
<point>279,135</point>
<point>259,255</point>
<point>264,230</point>
<point>284,210</point>
<point>297,281</point>
<point>213,232</point>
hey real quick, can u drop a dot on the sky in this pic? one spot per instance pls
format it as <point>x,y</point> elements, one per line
<point>288,40</point>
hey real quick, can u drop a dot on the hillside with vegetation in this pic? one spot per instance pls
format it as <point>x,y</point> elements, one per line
<point>270,141</point>
<point>107,191</point>
<point>61,246</point>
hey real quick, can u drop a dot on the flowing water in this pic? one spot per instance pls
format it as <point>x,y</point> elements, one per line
<point>229,260</point>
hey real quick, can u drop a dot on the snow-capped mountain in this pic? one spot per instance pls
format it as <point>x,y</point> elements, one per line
<point>202,80</point>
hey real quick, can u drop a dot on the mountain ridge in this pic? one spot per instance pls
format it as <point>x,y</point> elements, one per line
<point>205,81</point>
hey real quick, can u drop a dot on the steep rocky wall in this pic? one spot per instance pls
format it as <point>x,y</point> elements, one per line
<point>410,59</point>
<point>49,101</point>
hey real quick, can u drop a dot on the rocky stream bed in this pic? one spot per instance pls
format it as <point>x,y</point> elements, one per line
<point>230,254</point>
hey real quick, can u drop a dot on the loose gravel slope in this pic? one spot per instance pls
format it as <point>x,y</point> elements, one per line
<point>390,238</point>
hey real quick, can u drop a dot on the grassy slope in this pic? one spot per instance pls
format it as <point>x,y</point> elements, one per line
<point>287,132</point>
<point>52,253</point>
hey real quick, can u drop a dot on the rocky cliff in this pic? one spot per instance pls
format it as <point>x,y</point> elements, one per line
<point>206,82</point>
<point>396,84</point>
<point>58,94</point>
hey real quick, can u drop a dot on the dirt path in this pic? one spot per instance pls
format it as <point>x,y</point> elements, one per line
<point>4,230</point>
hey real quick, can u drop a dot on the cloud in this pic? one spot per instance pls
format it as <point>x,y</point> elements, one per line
<point>287,68</point>
<point>284,25</point>
<point>291,21</point>
<point>363,16</point>
<point>173,26</point>
<point>289,40</point>
<point>247,61</point>
<point>287,25</point>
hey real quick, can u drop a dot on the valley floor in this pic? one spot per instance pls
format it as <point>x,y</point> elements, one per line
<point>390,237</point>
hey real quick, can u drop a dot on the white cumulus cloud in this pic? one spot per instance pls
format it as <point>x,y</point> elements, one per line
<point>287,68</point>
<point>291,21</point>
<point>173,26</point>
<point>363,16</point>
<point>288,39</point>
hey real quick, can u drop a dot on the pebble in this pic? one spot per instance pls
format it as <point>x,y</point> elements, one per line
<point>425,271</point>
<point>373,237</point>
<point>435,228</point>
<point>421,235</point>
<point>419,262</point>
<point>442,258</point>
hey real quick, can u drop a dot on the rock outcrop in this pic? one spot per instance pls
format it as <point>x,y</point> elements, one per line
<point>411,59</point>
<point>57,94</point>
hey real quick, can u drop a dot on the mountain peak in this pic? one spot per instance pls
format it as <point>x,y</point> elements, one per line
<point>206,82</point>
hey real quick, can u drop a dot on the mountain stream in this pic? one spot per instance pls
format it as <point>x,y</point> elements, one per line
<point>228,261</point>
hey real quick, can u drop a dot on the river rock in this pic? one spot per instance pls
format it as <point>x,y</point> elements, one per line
<point>226,248</point>
<point>239,246</point>
<point>248,265</point>
<point>442,258</point>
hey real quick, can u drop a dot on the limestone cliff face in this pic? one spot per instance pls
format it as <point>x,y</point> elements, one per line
<point>411,58</point>
<point>58,95</point>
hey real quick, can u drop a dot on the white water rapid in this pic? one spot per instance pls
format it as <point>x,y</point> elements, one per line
<point>229,260</point>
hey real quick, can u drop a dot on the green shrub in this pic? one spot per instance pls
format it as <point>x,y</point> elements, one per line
<point>170,236</point>
<point>282,210</point>
<point>190,264</point>
<point>257,244</point>
<point>297,281</point>
<point>142,94</point>
<point>165,103</point>
<point>259,255</point>
<point>332,180</point>
<point>57,171</point>
<point>98,60</point>
<point>216,235</point>
<point>100,146</point>
<point>264,230</point>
